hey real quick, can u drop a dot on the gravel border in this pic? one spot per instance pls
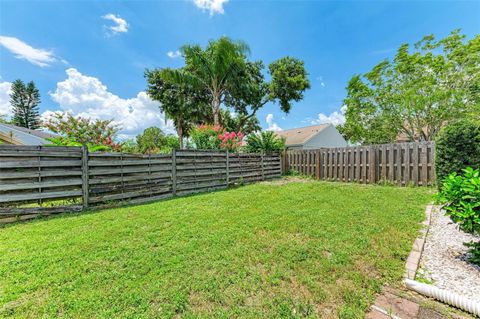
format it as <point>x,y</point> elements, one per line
<point>443,259</point>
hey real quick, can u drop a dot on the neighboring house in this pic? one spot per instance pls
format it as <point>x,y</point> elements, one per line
<point>16,135</point>
<point>313,137</point>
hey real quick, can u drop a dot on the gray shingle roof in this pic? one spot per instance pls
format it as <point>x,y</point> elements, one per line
<point>23,136</point>
<point>300,135</point>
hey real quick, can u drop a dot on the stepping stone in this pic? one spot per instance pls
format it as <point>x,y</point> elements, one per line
<point>397,306</point>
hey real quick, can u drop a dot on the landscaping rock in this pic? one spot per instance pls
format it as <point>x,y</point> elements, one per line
<point>443,259</point>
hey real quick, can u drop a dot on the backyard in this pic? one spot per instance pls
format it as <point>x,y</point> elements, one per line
<point>287,248</point>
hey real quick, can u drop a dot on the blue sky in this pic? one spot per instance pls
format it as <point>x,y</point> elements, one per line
<point>88,57</point>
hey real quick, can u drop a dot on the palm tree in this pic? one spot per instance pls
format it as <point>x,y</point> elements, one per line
<point>216,70</point>
<point>264,142</point>
<point>178,101</point>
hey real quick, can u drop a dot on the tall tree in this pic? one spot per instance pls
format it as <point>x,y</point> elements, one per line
<point>239,123</point>
<point>417,93</point>
<point>215,69</point>
<point>24,100</point>
<point>178,101</point>
<point>222,72</point>
<point>289,80</point>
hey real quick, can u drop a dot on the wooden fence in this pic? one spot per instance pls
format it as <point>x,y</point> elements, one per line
<point>402,164</point>
<point>44,180</point>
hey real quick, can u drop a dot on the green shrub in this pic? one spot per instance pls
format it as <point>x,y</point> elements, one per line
<point>457,146</point>
<point>460,197</point>
<point>66,141</point>
<point>264,142</point>
<point>153,141</point>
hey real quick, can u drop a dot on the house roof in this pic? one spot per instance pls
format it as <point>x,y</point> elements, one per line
<point>300,135</point>
<point>23,136</point>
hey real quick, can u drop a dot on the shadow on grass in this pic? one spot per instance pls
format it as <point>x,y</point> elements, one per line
<point>113,205</point>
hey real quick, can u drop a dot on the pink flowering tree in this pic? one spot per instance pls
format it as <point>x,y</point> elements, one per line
<point>231,141</point>
<point>208,136</point>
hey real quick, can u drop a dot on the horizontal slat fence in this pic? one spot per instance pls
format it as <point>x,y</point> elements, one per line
<point>401,164</point>
<point>33,176</point>
<point>45,180</point>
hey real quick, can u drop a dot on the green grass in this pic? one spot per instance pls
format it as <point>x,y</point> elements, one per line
<point>270,250</point>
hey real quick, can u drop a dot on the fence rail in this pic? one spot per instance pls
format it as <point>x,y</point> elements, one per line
<point>402,163</point>
<point>45,180</point>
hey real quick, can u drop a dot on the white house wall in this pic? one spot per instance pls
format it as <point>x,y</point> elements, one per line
<point>328,137</point>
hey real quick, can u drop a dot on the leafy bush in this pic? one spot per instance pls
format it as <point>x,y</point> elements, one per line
<point>207,137</point>
<point>153,140</point>
<point>65,141</point>
<point>129,146</point>
<point>460,197</point>
<point>457,146</point>
<point>264,142</point>
<point>77,131</point>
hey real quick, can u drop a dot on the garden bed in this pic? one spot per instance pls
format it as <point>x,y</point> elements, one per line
<point>299,249</point>
<point>443,261</point>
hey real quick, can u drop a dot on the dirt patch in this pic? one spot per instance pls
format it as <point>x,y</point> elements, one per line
<point>200,303</point>
<point>288,180</point>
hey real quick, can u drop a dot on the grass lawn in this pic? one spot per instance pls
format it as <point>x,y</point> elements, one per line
<point>269,250</point>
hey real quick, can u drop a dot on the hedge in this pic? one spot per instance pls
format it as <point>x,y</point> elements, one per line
<point>457,146</point>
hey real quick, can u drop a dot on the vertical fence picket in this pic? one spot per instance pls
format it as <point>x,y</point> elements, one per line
<point>389,162</point>
<point>423,160</point>
<point>432,163</point>
<point>340,164</point>
<point>415,165</point>
<point>399,178</point>
<point>401,163</point>
<point>372,165</point>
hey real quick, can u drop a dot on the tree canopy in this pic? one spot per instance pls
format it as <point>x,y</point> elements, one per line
<point>417,93</point>
<point>24,100</point>
<point>220,75</point>
<point>178,100</point>
<point>239,123</point>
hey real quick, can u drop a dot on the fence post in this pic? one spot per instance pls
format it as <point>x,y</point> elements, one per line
<point>228,168</point>
<point>263,169</point>
<point>174,172</point>
<point>85,191</point>
<point>372,164</point>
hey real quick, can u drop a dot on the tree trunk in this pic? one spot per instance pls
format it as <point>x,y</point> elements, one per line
<point>180,134</point>
<point>216,109</point>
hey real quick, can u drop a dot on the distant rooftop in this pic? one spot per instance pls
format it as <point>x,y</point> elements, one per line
<point>23,136</point>
<point>300,135</point>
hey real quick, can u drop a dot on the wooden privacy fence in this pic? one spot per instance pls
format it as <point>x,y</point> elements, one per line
<point>44,180</point>
<point>402,163</point>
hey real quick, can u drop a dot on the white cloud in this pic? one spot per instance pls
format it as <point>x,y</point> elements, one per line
<point>320,79</point>
<point>87,96</point>
<point>272,126</point>
<point>335,118</point>
<point>119,24</point>
<point>174,54</point>
<point>23,51</point>
<point>214,6</point>
<point>5,91</point>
